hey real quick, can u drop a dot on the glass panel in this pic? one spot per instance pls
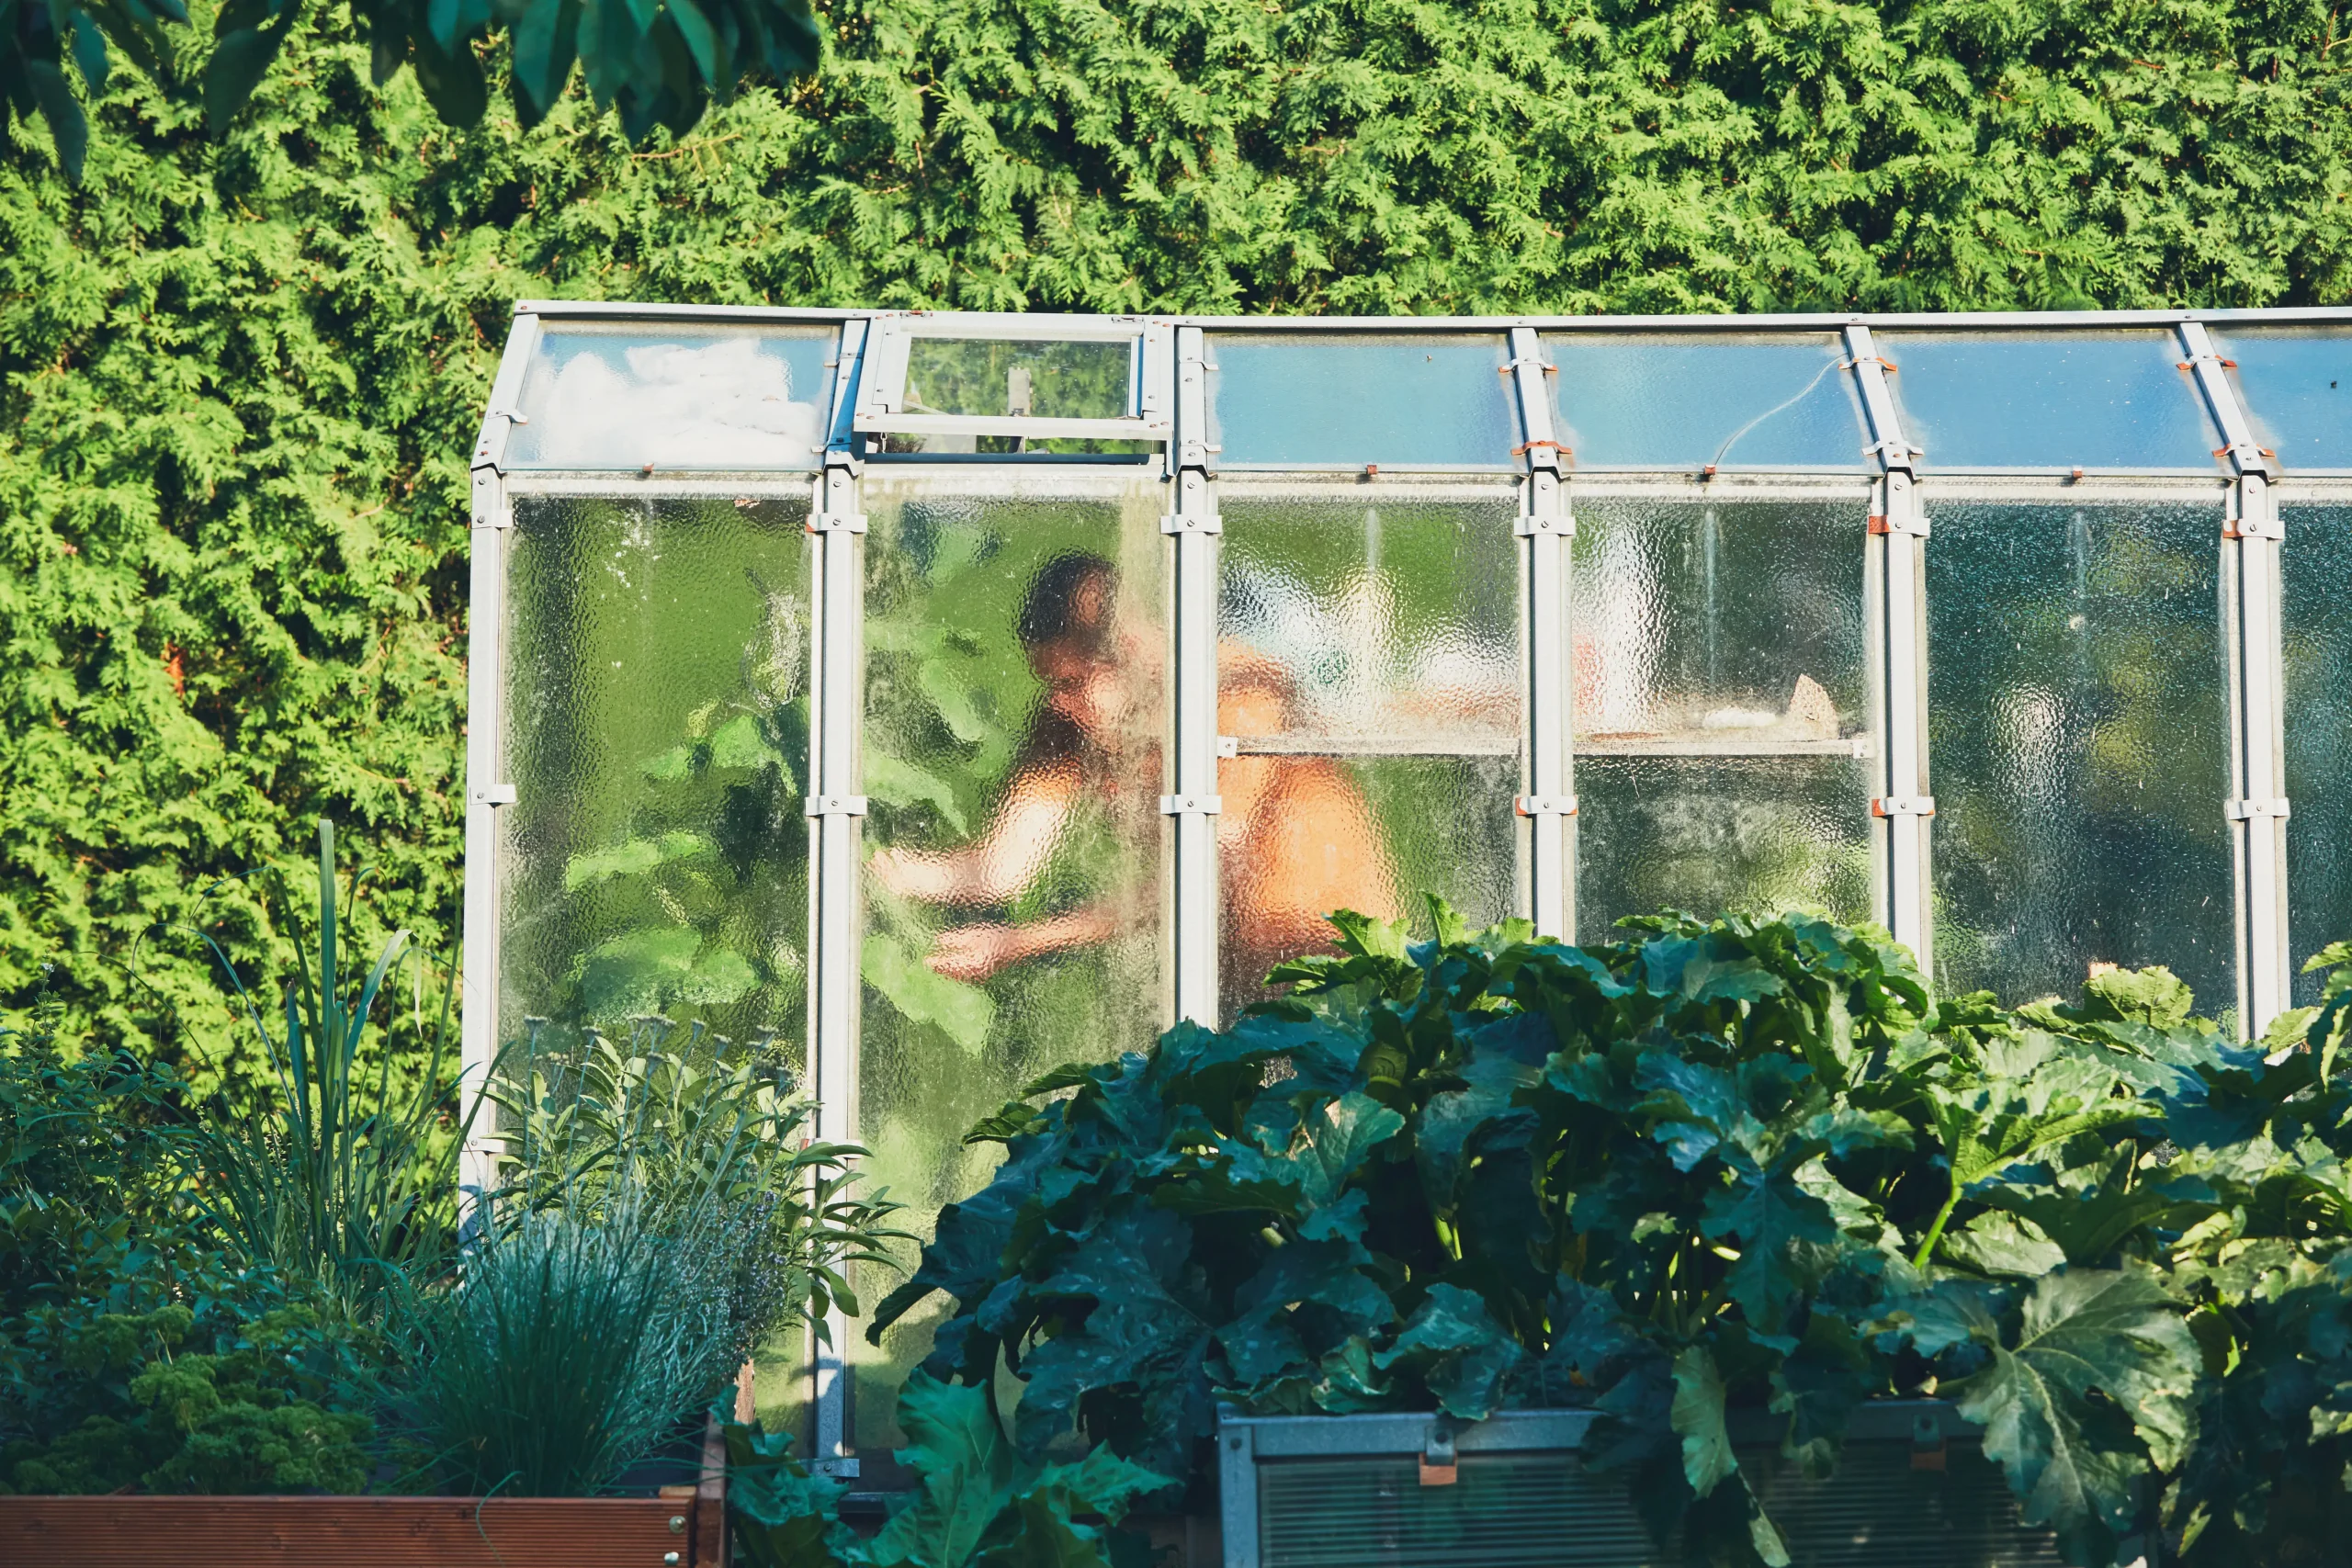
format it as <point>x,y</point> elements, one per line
<point>656,714</point>
<point>2296,386</point>
<point>2317,562</point>
<point>1676,402</point>
<point>1721,709</point>
<point>1368,670</point>
<point>1346,401</point>
<point>1015,655</point>
<point>2107,400</point>
<point>999,378</point>
<point>625,397</point>
<point>2079,743</point>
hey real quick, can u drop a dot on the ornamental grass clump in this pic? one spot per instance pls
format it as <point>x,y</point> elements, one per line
<point>571,1347</point>
<point>1708,1166</point>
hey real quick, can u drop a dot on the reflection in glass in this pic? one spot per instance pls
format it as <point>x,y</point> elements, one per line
<point>1013,761</point>
<point>1347,401</point>
<point>1721,708</point>
<point>2295,384</point>
<point>655,858</point>
<point>2078,733</point>
<point>999,378</point>
<point>2093,400</point>
<point>2317,564</point>
<point>1368,672</point>
<point>1631,401</point>
<point>622,398</point>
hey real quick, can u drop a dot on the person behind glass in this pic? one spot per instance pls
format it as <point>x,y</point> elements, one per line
<point>1295,839</point>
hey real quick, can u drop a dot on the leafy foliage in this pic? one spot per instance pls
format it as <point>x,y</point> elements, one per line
<point>342,1183</point>
<point>1707,1167</point>
<point>694,1146</point>
<point>981,1505</point>
<point>168,1369</point>
<point>657,65</point>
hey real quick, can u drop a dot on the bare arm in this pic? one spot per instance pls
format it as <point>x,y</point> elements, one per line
<point>977,952</point>
<point>1004,860</point>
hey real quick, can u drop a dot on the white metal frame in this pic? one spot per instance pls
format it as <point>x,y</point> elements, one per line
<point>1169,404</point>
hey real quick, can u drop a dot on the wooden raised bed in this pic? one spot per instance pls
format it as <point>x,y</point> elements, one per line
<point>682,1527</point>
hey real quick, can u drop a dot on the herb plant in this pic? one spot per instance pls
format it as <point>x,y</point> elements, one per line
<point>1707,1167</point>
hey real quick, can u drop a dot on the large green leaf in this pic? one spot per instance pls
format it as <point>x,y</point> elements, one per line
<point>2095,1353</point>
<point>1698,1416</point>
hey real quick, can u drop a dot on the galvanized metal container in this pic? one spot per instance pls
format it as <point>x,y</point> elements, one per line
<point>1913,1488</point>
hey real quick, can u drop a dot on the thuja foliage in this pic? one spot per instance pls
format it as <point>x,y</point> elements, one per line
<point>1705,1167</point>
<point>238,374</point>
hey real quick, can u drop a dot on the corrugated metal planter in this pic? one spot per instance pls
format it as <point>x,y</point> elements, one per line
<point>1913,1488</point>
<point>680,1527</point>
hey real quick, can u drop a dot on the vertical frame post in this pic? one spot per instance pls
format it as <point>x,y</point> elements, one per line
<point>2256,808</point>
<point>1194,530</point>
<point>1549,803</point>
<point>488,792</point>
<point>1895,569</point>
<point>834,807</point>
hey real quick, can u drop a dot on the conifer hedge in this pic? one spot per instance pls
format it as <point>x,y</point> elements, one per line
<point>241,373</point>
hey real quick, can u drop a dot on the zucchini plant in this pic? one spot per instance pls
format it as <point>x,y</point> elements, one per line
<point>1705,1167</point>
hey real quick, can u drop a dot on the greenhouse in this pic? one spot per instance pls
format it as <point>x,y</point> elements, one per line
<point>965,694</point>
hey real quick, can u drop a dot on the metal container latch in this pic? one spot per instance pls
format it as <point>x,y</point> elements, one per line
<point>1437,1457</point>
<point>1926,1443</point>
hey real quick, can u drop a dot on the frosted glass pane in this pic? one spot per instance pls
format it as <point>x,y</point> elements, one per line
<point>1352,400</point>
<point>1710,835</point>
<point>2296,386</point>
<point>1631,402</point>
<point>655,858</point>
<point>2079,743</point>
<point>2092,401</point>
<point>999,378</point>
<point>600,397</point>
<point>1368,672</point>
<point>1014,720</point>
<point>2317,561</point>
<point>1721,709</point>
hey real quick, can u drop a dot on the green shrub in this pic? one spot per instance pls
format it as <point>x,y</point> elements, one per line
<point>1705,1166</point>
<point>186,1375</point>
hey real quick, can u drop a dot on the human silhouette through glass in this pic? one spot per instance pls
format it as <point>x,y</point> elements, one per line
<point>1295,830</point>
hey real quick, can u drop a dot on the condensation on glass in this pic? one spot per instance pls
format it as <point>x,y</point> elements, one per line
<point>2079,734</point>
<point>655,860</point>
<point>1280,400</point>
<point>1368,677</point>
<point>2296,386</point>
<point>1012,759</point>
<point>1678,401</point>
<point>598,398</point>
<point>2316,565</point>
<point>1720,685</point>
<point>2113,401</point>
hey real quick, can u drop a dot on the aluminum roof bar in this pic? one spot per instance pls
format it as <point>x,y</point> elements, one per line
<point>1548,806</point>
<point>1894,593</point>
<point>2256,809</point>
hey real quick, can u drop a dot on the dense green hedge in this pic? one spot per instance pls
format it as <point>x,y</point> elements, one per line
<point>239,377</point>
